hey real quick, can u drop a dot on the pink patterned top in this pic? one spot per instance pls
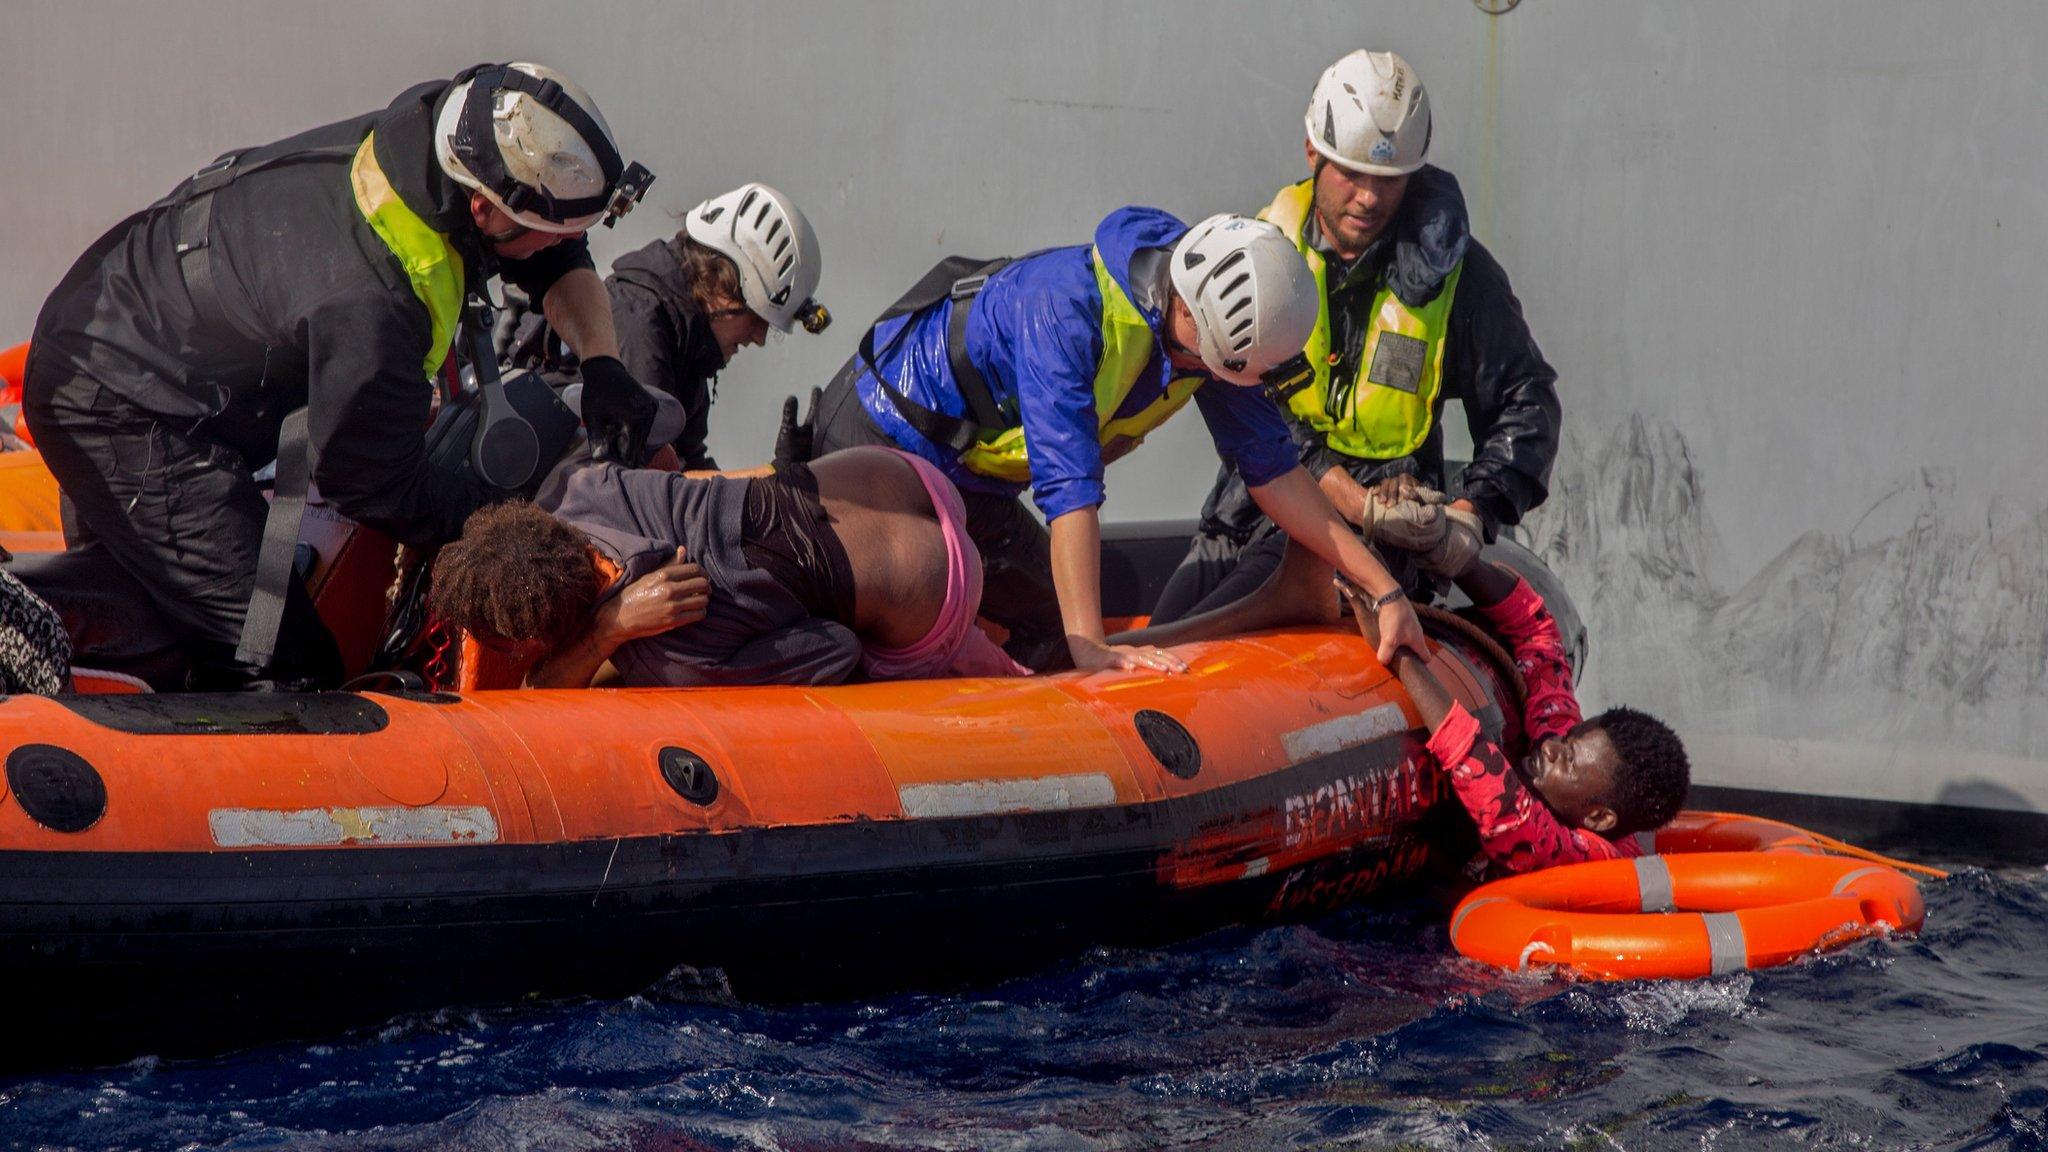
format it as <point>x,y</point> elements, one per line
<point>1518,832</point>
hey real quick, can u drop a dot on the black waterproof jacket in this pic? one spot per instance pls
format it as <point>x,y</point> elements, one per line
<point>664,341</point>
<point>321,313</point>
<point>1491,363</point>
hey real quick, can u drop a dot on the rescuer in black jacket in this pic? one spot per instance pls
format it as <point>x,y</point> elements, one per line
<point>1415,312</point>
<point>685,306</point>
<point>326,272</point>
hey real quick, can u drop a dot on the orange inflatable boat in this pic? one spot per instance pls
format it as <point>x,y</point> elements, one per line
<point>187,861</point>
<point>259,856</point>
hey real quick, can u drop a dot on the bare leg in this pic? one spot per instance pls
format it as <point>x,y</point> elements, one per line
<point>1298,592</point>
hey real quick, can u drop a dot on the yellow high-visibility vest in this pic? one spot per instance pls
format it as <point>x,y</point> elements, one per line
<point>431,263</point>
<point>1127,346</point>
<point>1386,411</point>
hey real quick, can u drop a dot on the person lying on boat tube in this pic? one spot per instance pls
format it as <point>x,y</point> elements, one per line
<point>1038,372</point>
<point>856,564</point>
<point>1585,786</point>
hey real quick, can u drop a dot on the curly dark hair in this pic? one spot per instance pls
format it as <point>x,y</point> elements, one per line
<point>517,574</point>
<point>1654,775</point>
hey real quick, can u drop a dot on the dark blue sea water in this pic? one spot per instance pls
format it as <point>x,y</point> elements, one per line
<point>1360,1030</point>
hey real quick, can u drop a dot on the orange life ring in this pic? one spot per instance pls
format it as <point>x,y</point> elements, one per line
<point>1692,831</point>
<point>1697,914</point>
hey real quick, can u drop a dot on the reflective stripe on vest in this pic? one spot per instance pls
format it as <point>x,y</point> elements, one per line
<point>1386,412</point>
<point>1128,344</point>
<point>430,261</point>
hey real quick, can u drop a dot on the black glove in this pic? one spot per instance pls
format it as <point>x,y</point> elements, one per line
<point>795,443</point>
<point>617,412</point>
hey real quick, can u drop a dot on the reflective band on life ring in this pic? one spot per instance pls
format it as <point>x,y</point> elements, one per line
<point>1697,914</point>
<point>1727,832</point>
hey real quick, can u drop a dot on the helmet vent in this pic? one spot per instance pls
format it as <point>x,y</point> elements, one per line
<point>774,229</point>
<point>1243,303</point>
<point>712,216</point>
<point>1240,328</point>
<point>747,201</point>
<point>1229,262</point>
<point>783,268</point>
<point>1243,278</point>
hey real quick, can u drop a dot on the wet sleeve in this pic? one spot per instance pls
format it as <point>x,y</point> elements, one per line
<point>1248,431</point>
<point>1517,831</point>
<point>369,402</point>
<point>1509,390</point>
<point>1060,344</point>
<point>538,272</point>
<point>1535,642</point>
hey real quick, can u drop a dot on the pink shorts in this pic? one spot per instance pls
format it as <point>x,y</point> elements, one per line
<point>954,646</point>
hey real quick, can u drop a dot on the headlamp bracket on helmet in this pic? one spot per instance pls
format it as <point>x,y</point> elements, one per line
<point>1288,377</point>
<point>630,190</point>
<point>813,316</point>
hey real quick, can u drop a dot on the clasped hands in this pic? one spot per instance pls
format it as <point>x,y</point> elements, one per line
<point>1400,512</point>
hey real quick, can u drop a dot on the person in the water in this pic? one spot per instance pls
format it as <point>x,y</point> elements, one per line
<point>1584,786</point>
<point>1582,789</point>
<point>856,563</point>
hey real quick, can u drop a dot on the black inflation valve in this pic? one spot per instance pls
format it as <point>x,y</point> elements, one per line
<point>690,775</point>
<point>1170,743</point>
<point>56,787</point>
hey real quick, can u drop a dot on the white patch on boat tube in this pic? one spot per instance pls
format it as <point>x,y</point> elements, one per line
<point>308,827</point>
<point>1343,732</point>
<point>988,797</point>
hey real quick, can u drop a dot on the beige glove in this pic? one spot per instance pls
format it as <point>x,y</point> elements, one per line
<point>1463,537</point>
<point>1411,525</point>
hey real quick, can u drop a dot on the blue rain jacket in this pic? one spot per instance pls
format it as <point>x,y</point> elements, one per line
<point>1036,336</point>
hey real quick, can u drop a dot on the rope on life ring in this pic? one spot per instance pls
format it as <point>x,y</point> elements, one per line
<point>1682,916</point>
<point>1697,831</point>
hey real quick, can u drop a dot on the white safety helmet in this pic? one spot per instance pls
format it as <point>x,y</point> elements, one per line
<point>758,229</point>
<point>1252,295</point>
<point>1369,114</point>
<point>532,141</point>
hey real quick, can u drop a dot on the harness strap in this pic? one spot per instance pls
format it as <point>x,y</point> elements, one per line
<point>192,228</point>
<point>279,552</point>
<point>192,240</point>
<point>959,279</point>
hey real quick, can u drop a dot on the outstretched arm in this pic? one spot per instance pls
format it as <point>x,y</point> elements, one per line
<point>1300,509</point>
<point>580,311</point>
<point>1077,578</point>
<point>1428,693</point>
<point>1517,831</point>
